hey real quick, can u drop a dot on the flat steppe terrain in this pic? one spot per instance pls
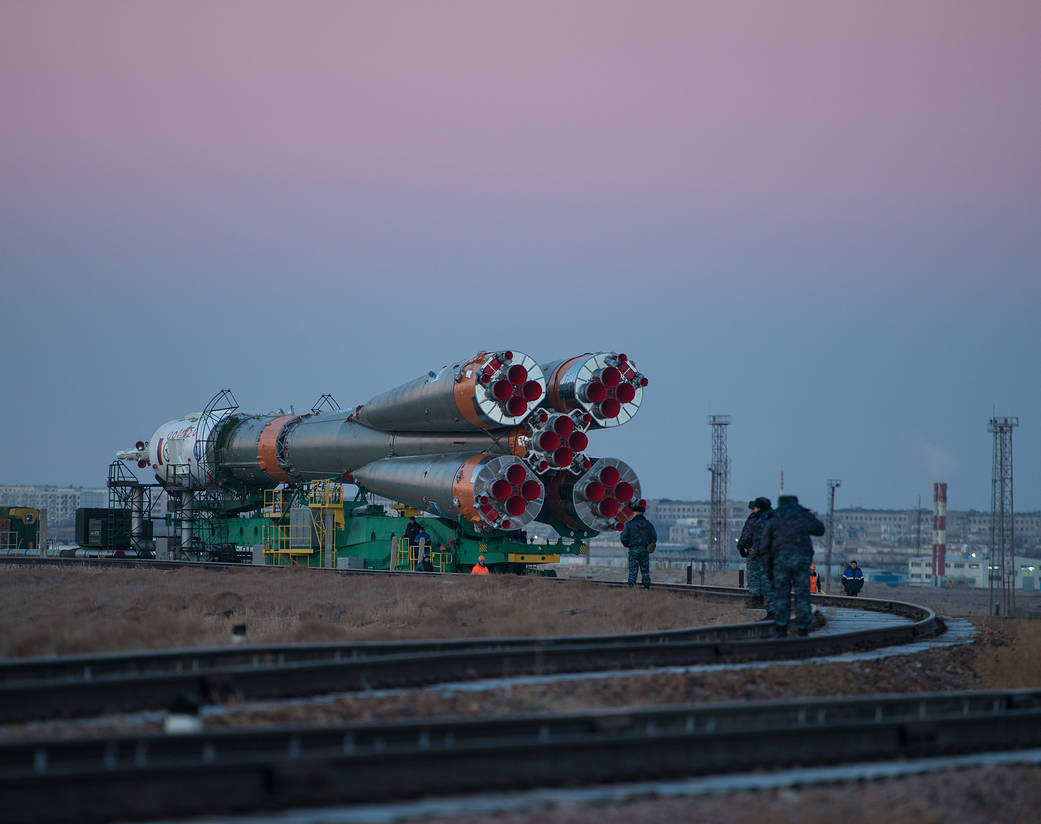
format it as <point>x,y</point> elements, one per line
<point>48,611</point>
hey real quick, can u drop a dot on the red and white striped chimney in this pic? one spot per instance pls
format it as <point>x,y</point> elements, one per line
<point>939,528</point>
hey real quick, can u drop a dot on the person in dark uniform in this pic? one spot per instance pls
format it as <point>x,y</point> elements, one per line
<point>786,538</point>
<point>640,537</point>
<point>425,564</point>
<point>411,530</point>
<point>759,571</point>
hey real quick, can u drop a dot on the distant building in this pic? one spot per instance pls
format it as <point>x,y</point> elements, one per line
<point>910,527</point>
<point>61,502</point>
<point>687,522</point>
<point>972,571</point>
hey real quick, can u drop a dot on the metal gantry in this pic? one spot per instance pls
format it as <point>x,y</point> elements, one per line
<point>1002,570</point>
<point>720,469</point>
<point>833,484</point>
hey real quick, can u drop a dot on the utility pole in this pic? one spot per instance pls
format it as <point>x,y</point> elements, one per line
<point>1002,520</point>
<point>720,469</point>
<point>833,484</point>
<point>918,529</point>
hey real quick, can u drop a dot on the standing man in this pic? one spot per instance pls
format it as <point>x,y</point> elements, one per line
<point>853,579</point>
<point>411,530</point>
<point>640,536</point>
<point>786,537</point>
<point>480,568</point>
<point>815,581</point>
<point>759,571</point>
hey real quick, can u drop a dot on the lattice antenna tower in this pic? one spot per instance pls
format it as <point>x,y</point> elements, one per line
<point>720,469</point>
<point>833,484</point>
<point>1002,572</point>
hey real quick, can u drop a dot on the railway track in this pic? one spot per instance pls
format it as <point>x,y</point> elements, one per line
<point>145,776</point>
<point>34,689</point>
<point>148,775</point>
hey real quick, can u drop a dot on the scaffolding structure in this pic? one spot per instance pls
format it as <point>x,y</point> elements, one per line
<point>286,542</point>
<point>1002,572</point>
<point>720,469</point>
<point>833,484</point>
<point>133,503</point>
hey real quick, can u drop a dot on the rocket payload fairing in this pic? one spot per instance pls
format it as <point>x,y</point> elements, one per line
<point>497,440</point>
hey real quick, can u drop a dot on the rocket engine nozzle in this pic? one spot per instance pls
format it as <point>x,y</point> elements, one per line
<point>600,499</point>
<point>606,386</point>
<point>557,441</point>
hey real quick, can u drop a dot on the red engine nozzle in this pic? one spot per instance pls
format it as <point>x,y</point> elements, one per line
<point>517,406</point>
<point>563,456</point>
<point>516,505</point>
<point>610,376</point>
<point>501,390</point>
<point>594,491</point>
<point>595,392</point>
<point>501,489</point>
<point>548,441</point>
<point>517,374</point>
<point>609,475</point>
<point>531,489</point>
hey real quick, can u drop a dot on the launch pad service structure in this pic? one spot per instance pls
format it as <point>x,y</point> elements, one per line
<point>477,451</point>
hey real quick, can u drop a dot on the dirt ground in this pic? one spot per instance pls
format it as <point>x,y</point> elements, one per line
<point>51,611</point>
<point>66,610</point>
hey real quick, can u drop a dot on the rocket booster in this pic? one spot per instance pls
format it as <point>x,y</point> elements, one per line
<point>488,439</point>
<point>489,391</point>
<point>495,491</point>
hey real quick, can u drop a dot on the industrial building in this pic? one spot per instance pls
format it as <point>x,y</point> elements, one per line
<point>61,502</point>
<point>972,571</point>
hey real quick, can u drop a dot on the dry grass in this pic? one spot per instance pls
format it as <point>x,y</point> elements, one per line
<point>1009,653</point>
<point>61,611</point>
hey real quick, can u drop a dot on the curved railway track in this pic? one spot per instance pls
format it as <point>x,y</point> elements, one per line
<point>149,775</point>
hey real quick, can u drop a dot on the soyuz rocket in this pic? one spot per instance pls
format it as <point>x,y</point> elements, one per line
<point>497,440</point>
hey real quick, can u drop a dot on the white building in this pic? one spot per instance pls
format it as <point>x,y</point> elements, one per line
<point>61,502</point>
<point>973,571</point>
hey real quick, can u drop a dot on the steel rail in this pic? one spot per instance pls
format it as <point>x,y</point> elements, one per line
<point>95,685</point>
<point>96,779</point>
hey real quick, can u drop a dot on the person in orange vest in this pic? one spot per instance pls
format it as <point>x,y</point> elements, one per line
<point>479,567</point>
<point>815,581</point>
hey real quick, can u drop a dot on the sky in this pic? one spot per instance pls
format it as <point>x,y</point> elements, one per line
<point>821,217</point>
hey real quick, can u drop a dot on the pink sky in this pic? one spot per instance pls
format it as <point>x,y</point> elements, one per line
<point>253,194</point>
<point>894,106</point>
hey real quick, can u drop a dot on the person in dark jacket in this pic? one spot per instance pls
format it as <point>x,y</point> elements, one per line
<point>411,530</point>
<point>425,564</point>
<point>853,579</point>
<point>786,539</point>
<point>748,545</point>
<point>638,535</point>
